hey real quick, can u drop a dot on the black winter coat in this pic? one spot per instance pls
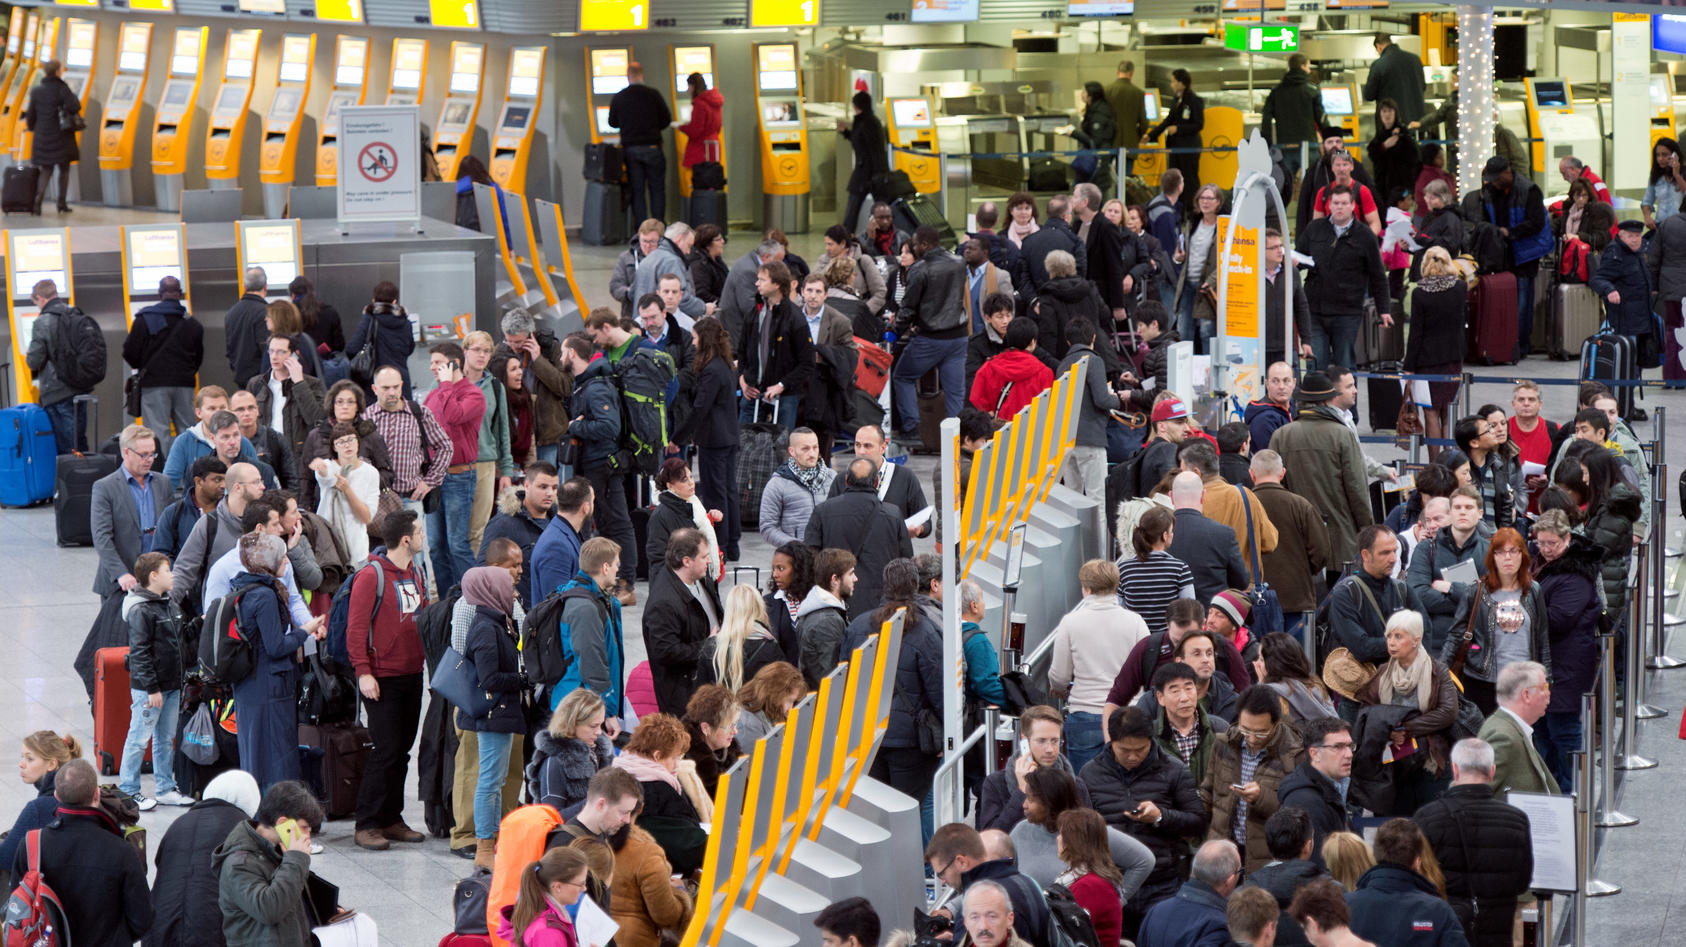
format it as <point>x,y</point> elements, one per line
<point>708,277</point>
<point>394,338</point>
<point>171,361</point>
<point>1443,228</point>
<point>1293,112</point>
<point>1167,783</point>
<point>54,143</point>
<point>1212,554</point>
<point>1107,263</point>
<point>184,894</point>
<point>1001,804</point>
<point>1626,272</point>
<point>1283,879</point>
<point>710,764</point>
<point>1396,906</point>
<point>713,421</point>
<point>919,673</point>
<point>1320,798</point>
<point>1569,585</point>
<point>1347,265</point>
<point>1188,113</point>
<point>497,664</point>
<point>102,879</point>
<point>866,137</point>
<point>1438,308</point>
<point>757,653</point>
<point>155,659</point>
<point>1485,850</point>
<point>672,512</point>
<point>1099,127</point>
<point>1031,271</point>
<point>1317,177</point>
<point>1396,166</point>
<point>1062,300</point>
<point>675,626</point>
<point>1610,526</point>
<point>790,351</point>
<point>869,528</point>
<point>932,306</point>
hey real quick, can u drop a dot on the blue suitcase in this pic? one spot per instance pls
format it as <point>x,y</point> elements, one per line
<point>28,456</point>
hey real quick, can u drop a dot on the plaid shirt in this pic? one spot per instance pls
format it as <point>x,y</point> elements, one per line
<point>1249,765</point>
<point>1186,742</point>
<point>403,446</point>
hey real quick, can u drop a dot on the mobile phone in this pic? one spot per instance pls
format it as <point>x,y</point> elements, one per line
<point>1237,786</point>
<point>1024,747</point>
<point>1136,811</point>
<point>288,830</point>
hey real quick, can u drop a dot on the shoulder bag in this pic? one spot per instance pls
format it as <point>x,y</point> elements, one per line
<point>132,384</point>
<point>1267,610</point>
<point>1461,655</point>
<point>434,499</point>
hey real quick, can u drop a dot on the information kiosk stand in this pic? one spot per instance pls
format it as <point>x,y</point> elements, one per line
<point>686,60</point>
<point>273,245</point>
<point>17,97</point>
<point>276,160</point>
<point>150,253</point>
<point>223,140</point>
<point>783,138</point>
<point>453,134</point>
<point>119,118</point>
<point>605,68</point>
<point>1557,128</point>
<point>1662,108</point>
<point>408,76</point>
<point>913,125</point>
<point>1340,108</point>
<point>172,128</point>
<point>351,84</point>
<point>512,140</point>
<point>1149,163</point>
<point>31,256</point>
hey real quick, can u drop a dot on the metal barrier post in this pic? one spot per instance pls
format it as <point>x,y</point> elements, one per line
<point>1659,659</point>
<point>1542,922</point>
<point>1609,817</point>
<point>1588,887</point>
<point>1118,174</point>
<point>1466,397</point>
<point>1628,757</point>
<point>992,721</point>
<point>1660,436</point>
<point>942,184</point>
<point>1415,451</point>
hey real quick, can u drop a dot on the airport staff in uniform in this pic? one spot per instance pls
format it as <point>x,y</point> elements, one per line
<point>55,141</point>
<point>1184,122</point>
<point>641,114</point>
<point>866,136</point>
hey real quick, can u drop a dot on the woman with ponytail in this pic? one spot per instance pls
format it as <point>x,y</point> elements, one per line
<point>1150,582</point>
<point>43,753</point>
<point>540,916</point>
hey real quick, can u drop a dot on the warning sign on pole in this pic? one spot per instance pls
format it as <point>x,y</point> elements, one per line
<point>380,164</point>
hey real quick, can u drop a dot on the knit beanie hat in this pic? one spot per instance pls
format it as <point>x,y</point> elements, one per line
<point>1233,603</point>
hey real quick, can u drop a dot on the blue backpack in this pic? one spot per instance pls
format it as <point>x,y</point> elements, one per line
<point>339,613</point>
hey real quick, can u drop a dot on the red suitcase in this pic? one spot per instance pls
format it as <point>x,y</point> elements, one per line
<point>111,708</point>
<point>1493,320</point>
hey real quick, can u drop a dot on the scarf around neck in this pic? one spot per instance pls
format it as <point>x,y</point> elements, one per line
<point>1419,677</point>
<point>646,770</point>
<point>808,477</point>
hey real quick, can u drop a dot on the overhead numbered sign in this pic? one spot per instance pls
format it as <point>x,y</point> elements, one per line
<point>1262,37</point>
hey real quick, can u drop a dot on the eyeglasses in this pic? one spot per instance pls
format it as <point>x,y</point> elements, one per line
<point>944,869</point>
<point>1255,734</point>
<point>574,884</point>
<point>1333,747</point>
<point>148,455</point>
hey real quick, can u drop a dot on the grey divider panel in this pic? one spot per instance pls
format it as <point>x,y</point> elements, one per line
<point>1064,533</point>
<point>313,203</point>
<point>811,865</point>
<point>486,204</point>
<point>210,207</point>
<point>437,287</point>
<point>569,315</point>
<point>439,200</point>
<point>779,900</point>
<point>522,248</point>
<point>896,883</point>
<point>532,17</point>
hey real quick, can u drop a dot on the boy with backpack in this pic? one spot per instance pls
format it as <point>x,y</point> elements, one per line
<point>67,358</point>
<point>155,679</point>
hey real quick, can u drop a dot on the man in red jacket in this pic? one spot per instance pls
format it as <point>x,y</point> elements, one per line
<point>386,652</point>
<point>1014,378</point>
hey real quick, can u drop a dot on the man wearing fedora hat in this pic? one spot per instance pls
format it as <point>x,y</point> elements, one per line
<point>1325,465</point>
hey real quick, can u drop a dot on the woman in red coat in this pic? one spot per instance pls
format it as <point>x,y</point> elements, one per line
<point>703,130</point>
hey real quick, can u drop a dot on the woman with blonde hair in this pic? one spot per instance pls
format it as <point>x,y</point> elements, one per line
<point>767,700</point>
<point>744,645</point>
<point>656,757</point>
<point>568,752</point>
<point>43,753</point>
<point>1348,857</point>
<point>1435,307</point>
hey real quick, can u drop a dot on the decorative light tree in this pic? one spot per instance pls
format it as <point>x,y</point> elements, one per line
<point>1476,107</point>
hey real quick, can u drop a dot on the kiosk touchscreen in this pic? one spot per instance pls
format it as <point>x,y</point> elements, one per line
<point>28,72</point>
<point>783,137</point>
<point>277,157</point>
<point>227,130</point>
<point>699,59</point>
<point>1555,125</point>
<point>512,137</point>
<point>453,134</point>
<point>408,75</point>
<point>605,70</point>
<point>120,118</point>
<point>1340,104</point>
<point>913,125</point>
<point>1662,107</point>
<point>351,84</point>
<point>273,245</point>
<point>150,253</point>
<point>32,256</point>
<point>173,119</point>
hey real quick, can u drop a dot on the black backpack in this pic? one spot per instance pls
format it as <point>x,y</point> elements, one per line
<point>78,349</point>
<point>1068,923</point>
<point>542,656</point>
<point>708,176</point>
<point>225,647</point>
<point>641,379</point>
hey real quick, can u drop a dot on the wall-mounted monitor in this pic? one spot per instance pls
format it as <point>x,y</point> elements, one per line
<point>1150,106</point>
<point>1085,8</point>
<point>911,113</point>
<point>1551,94</point>
<point>1337,100</point>
<point>1668,33</point>
<point>944,11</point>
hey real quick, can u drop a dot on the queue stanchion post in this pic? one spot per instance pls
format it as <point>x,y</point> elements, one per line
<point>1466,395</point>
<point>1628,758</point>
<point>1608,816</point>
<point>1659,433</point>
<point>1588,886</point>
<point>1659,659</point>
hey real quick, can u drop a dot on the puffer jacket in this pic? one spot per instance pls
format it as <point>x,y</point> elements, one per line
<point>497,667</point>
<point>1481,632</point>
<point>1282,754</point>
<point>260,890</point>
<point>596,402</point>
<point>1163,780</point>
<point>1611,528</point>
<point>642,897</point>
<point>1569,585</point>
<point>562,766</point>
<point>1627,272</point>
<point>184,903</point>
<point>155,659</point>
<point>919,676</point>
<point>1428,561</point>
<point>1485,850</point>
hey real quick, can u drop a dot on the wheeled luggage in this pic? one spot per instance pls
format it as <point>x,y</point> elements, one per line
<point>604,222</point>
<point>28,456</point>
<point>1378,343</point>
<point>17,189</point>
<point>73,484</point>
<point>1384,397</point>
<point>708,206</point>
<point>917,211</point>
<point>111,708</point>
<point>759,454</point>
<point>1493,320</point>
<point>1575,315</point>
<point>603,163</point>
<point>1607,356</point>
<point>345,750</point>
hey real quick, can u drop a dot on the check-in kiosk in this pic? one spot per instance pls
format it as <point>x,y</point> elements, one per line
<point>783,137</point>
<point>351,84</point>
<point>47,48</point>
<point>913,126</point>
<point>172,127</point>
<point>120,116</point>
<point>407,75</point>
<point>1150,162</point>
<point>1662,108</point>
<point>1340,106</point>
<point>17,96</point>
<point>453,134</point>
<point>1556,127</point>
<point>150,253</point>
<point>605,70</point>
<point>273,245</point>
<point>277,158</point>
<point>512,137</point>
<point>227,132</point>
<point>697,58</point>
<point>32,256</point>
<point>14,53</point>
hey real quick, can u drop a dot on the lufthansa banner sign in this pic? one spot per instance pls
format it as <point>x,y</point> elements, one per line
<point>380,164</point>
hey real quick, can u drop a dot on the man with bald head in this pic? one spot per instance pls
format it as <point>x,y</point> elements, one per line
<point>417,444</point>
<point>868,527</point>
<point>1002,253</point>
<point>895,485</point>
<point>247,329</point>
<point>1209,547</point>
<point>214,535</point>
<point>1275,409</point>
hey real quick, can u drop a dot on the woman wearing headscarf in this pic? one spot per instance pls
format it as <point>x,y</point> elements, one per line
<point>184,890</point>
<point>497,666</point>
<point>268,697</point>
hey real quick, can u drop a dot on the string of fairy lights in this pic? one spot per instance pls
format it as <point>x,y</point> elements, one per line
<point>1476,118</point>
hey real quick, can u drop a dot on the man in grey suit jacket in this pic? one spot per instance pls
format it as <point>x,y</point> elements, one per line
<point>125,509</point>
<point>1523,695</point>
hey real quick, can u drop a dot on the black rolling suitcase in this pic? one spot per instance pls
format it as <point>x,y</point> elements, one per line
<point>73,484</point>
<point>708,206</point>
<point>604,221</point>
<point>1606,357</point>
<point>603,163</point>
<point>17,189</point>
<point>911,213</point>
<point>1384,397</point>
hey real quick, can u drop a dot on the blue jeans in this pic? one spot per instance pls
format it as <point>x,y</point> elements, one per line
<point>548,453</point>
<point>948,357</point>
<point>646,167</point>
<point>159,725</point>
<point>784,416</point>
<point>488,788</point>
<point>70,426</point>
<point>447,531</point>
<point>1083,739</point>
<point>1525,317</point>
<point>1185,314</point>
<point>1557,735</point>
<point>1332,340</point>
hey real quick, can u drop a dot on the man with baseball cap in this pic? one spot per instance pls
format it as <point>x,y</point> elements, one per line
<point>1159,454</point>
<point>1623,282</point>
<point>1325,465</point>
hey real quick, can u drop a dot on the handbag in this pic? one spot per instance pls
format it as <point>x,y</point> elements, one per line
<point>435,498</point>
<point>363,363</point>
<point>72,121</point>
<point>568,452</point>
<point>132,384</point>
<point>1461,655</point>
<point>1267,610</point>
<point>458,682</point>
<point>1345,674</point>
<point>927,727</point>
<point>1410,423</point>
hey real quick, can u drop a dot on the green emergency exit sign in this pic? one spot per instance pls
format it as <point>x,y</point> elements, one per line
<point>1262,37</point>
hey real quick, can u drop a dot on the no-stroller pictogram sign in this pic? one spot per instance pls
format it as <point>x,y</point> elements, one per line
<point>383,144</point>
<point>377,162</point>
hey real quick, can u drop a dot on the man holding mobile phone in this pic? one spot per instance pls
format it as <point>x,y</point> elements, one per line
<point>1249,762</point>
<point>1001,797</point>
<point>268,863</point>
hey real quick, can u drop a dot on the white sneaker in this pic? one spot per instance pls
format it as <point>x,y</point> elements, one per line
<point>316,848</point>
<point>146,803</point>
<point>174,798</point>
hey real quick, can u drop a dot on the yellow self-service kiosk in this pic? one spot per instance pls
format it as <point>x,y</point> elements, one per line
<point>46,48</point>
<point>277,157</point>
<point>512,137</point>
<point>273,245</point>
<point>407,75</point>
<point>1149,163</point>
<point>227,131</point>
<point>913,126</point>
<point>605,69</point>
<point>17,96</point>
<point>150,253</point>
<point>1557,128</point>
<point>32,256</point>
<point>697,58</point>
<point>453,134</point>
<point>783,137</point>
<point>351,84</point>
<point>1662,108</point>
<point>120,116</point>
<point>172,128</point>
<point>1340,108</point>
<point>14,53</point>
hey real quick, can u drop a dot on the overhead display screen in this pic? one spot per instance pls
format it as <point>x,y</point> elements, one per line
<point>613,16</point>
<point>1079,8</point>
<point>79,48</point>
<point>76,3</point>
<point>340,11</point>
<point>407,57</point>
<point>775,67</point>
<point>465,67</point>
<point>608,70</point>
<point>455,14</point>
<point>689,59</point>
<point>351,61</point>
<point>155,6</point>
<point>525,66</point>
<point>763,13</point>
<point>1668,33</point>
<point>945,11</point>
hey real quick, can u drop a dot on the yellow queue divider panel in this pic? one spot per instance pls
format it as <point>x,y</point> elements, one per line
<point>23,77</point>
<point>453,134</point>
<point>172,122</point>
<point>351,86</point>
<point>38,48</point>
<point>32,256</point>
<point>120,117</point>
<point>407,74</point>
<point>277,158</point>
<point>14,53</point>
<point>558,263</point>
<point>783,137</point>
<point>605,73</point>
<point>150,253</point>
<point>1224,130</point>
<point>913,125</point>
<point>512,137</point>
<point>687,59</point>
<point>273,245</point>
<point>226,134</point>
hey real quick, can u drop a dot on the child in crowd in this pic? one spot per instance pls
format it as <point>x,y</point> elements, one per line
<point>155,679</point>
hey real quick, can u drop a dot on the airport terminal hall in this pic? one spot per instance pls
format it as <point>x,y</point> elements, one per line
<point>860,473</point>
